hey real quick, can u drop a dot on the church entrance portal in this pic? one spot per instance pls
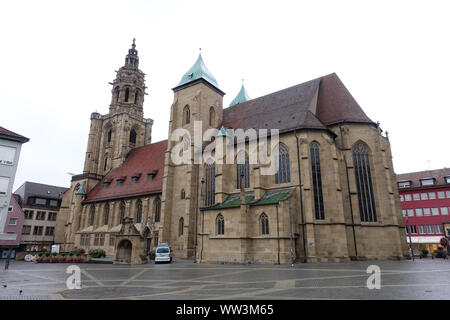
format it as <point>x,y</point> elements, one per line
<point>124,251</point>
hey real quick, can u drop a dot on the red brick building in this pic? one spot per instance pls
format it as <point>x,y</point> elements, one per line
<point>425,198</point>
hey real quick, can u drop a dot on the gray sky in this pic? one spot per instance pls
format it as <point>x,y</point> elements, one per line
<point>57,58</point>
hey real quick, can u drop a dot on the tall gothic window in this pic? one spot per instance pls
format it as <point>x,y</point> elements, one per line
<point>109,135</point>
<point>220,224</point>
<point>364,185</point>
<point>212,117</point>
<point>127,94</point>
<point>186,115</point>
<point>157,210</point>
<point>92,215</point>
<point>210,173</point>
<point>283,174</point>
<point>264,220</point>
<point>181,227</point>
<point>106,161</point>
<point>106,214</point>
<point>122,211</point>
<point>183,194</point>
<point>242,168</point>
<point>139,211</point>
<point>133,136</point>
<point>136,96</point>
<point>317,180</point>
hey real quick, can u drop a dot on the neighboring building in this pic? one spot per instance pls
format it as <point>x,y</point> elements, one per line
<point>425,198</point>
<point>40,204</point>
<point>335,194</point>
<point>10,146</point>
<point>13,226</point>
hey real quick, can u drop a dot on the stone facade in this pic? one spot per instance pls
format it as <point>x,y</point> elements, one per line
<point>353,213</point>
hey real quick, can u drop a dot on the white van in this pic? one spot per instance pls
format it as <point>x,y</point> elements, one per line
<point>163,253</point>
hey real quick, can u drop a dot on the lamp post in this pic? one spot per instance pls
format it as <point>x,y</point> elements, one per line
<point>410,241</point>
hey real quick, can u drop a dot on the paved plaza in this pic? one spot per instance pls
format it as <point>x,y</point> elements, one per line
<point>184,279</point>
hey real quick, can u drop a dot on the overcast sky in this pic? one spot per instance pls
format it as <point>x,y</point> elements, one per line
<point>57,58</point>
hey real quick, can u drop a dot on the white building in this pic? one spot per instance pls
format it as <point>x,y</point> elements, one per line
<point>10,146</point>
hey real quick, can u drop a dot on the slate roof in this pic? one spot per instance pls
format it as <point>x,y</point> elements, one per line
<point>33,189</point>
<point>290,108</point>
<point>414,177</point>
<point>144,160</point>
<point>9,135</point>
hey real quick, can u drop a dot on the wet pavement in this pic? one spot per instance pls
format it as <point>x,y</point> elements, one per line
<point>184,279</point>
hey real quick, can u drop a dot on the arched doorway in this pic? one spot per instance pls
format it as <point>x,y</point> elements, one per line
<point>124,251</point>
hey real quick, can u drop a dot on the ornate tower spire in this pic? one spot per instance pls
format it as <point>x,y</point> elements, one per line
<point>132,59</point>
<point>129,86</point>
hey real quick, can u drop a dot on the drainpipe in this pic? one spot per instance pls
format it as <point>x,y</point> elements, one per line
<point>301,197</point>
<point>351,206</point>
<point>290,232</point>
<point>278,236</point>
<point>196,212</point>
<point>203,226</point>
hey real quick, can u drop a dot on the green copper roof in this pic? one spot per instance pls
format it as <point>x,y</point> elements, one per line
<point>198,71</point>
<point>273,197</point>
<point>223,132</point>
<point>234,201</point>
<point>241,97</point>
<point>81,189</point>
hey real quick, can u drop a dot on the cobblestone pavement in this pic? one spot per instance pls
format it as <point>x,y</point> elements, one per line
<point>183,279</point>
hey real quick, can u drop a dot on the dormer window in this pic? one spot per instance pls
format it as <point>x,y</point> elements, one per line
<point>447,179</point>
<point>135,177</point>
<point>151,175</point>
<point>404,184</point>
<point>106,184</point>
<point>427,181</point>
<point>120,181</point>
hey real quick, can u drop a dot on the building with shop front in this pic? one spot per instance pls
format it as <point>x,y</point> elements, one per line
<point>40,204</point>
<point>425,198</point>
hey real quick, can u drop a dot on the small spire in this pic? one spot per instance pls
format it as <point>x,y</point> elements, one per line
<point>241,97</point>
<point>134,43</point>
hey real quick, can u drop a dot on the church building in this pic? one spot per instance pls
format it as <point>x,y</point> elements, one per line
<point>334,196</point>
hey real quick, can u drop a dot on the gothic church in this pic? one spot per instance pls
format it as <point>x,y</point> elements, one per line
<point>334,197</point>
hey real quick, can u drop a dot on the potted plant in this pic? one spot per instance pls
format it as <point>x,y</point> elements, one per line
<point>424,253</point>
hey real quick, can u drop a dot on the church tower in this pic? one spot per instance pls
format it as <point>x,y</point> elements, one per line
<point>197,98</point>
<point>113,135</point>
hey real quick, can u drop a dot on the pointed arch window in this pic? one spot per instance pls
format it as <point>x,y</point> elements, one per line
<point>92,215</point>
<point>212,117</point>
<point>317,180</point>
<point>283,174</point>
<point>106,162</point>
<point>181,227</point>
<point>133,136</point>
<point>127,94</point>
<point>136,96</point>
<point>109,135</point>
<point>220,225</point>
<point>139,211</point>
<point>242,168</point>
<point>364,187</point>
<point>106,214</point>
<point>264,221</point>
<point>183,194</point>
<point>122,211</point>
<point>186,115</point>
<point>210,174</point>
<point>157,210</point>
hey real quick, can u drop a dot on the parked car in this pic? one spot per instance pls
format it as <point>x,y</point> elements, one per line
<point>163,253</point>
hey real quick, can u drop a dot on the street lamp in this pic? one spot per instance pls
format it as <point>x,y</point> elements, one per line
<point>410,241</point>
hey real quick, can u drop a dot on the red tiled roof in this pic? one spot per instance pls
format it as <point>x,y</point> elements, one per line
<point>9,135</point>
<point>142,160</point>
<point>414,177</point>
